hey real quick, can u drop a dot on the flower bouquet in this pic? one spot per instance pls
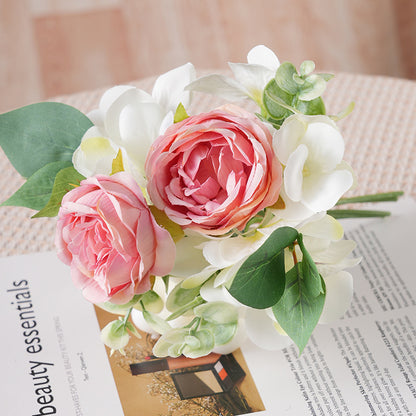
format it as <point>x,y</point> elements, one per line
<point>204,229</point>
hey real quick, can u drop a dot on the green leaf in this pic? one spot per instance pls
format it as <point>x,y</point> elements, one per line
<point>276,100</point>
<point>65,180</point>
<point>36,191</point>
<point>260,281</point>
<point>313,87</point>
<point>222,333</point>
<point>180,114</point>
<point>151,301</point>
<point>312,108</point>
<point>217,312</point>
<point>38,134</point>
<point>298,311</point>
<point>313,280</point>
<point>284,78</point>
<point>307,67</point>
<point>180,297</point>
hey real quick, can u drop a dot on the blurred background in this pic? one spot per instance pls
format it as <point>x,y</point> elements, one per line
<point>56,47</point>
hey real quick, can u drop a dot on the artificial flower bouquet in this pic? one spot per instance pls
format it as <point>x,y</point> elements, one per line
<point>203,229</point>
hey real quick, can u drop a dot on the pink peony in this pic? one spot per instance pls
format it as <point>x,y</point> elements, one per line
<point>213,172</point>
<point>108,236</point>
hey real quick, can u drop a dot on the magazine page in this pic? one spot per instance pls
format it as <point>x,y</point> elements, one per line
<point>363,364</point>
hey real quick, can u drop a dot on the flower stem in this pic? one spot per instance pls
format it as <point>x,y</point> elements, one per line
<point>356,213</point>
<point>380,197</point>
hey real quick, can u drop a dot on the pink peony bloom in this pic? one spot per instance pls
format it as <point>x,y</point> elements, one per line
<point>108,236</point>
<point>213,172</point>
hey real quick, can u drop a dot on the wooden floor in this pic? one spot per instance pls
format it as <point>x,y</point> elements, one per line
<point>54,47</point>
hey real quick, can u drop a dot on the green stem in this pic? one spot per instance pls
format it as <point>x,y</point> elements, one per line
<point>127,315</point>
<point>197,301</point>
<point>380,197</point>
<point>357,213</point>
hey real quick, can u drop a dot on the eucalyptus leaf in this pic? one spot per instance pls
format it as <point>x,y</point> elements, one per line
<point>313,87</point>
<point>313,280</point>
<point>38,134</point>
<point>298,311</point>
<point>307,67</point>
<point>217,312</point>
<point>284,78</point>
<point>180,297</point>
<point>156,322</point>
<point>151,300</point>
<point>312,108</point>
<point>36,191</point>
<point>221,333</point>
<point>260,281</point>
<point>65,180</point>
<point>276,100</point>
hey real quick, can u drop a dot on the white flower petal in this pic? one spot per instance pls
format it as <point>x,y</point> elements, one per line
<point>326,227</point>
<point>220,85</point>
<point>334,253</point>
<point>217,294</point>
<point>339,291</point>
<point>95,154</point>
<point>322,192</point>
<point>139,125</point>
<point>325,145</point>
<point>189,259</point>
<point>226,252</point>
<point>262,55</point>
<point>253,78</point>
<point>112,109</point>
<point>293,173</point>
<point>168,89</point>
<point>262,331</point>
<point>288,137</point>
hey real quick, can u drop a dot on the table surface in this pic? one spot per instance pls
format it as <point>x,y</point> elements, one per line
<point>380,137</point>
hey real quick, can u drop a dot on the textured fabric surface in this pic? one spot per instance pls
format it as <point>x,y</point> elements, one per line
<point>380,138</point>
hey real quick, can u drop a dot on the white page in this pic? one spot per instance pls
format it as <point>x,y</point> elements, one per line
<point>71,373</point>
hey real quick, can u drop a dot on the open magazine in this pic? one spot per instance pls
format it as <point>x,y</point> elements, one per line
<point>53,362</point>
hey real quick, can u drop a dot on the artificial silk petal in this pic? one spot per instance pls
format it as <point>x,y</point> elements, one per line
<point>339,291</point>
<point>325,145</point>
<point>287,138</point>
<point>327,227</point>
<point>262,55</point>
<point>168,90</point>
<point>293,173</point>
<point>220,85</point>
<point>95,154</point>
<point>262,331</point>
<point>254,78</point>
<point>321,192</point>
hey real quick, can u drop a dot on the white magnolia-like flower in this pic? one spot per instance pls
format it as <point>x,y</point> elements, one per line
<point>311,149</point>
<point>130,119</point>
<point>323,238</point>
<point>250,78</point>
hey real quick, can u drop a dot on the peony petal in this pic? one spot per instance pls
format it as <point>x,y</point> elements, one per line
<point>339,291</point>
